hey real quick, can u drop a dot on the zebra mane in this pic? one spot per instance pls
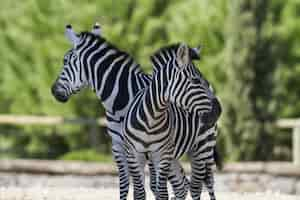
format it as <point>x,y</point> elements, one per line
<point>168,48</point>
<point>85,34</point>
<point>161,57</point>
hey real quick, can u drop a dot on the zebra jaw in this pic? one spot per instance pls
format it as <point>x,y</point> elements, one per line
<point>59,94</point>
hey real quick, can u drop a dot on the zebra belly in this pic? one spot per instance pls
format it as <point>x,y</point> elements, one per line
<point>149,143</point>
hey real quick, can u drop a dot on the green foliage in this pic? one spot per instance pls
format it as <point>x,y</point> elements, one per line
<point>87,155</point>
<point>287,30</point>
<point>254,86</point>
<point>251,56</point>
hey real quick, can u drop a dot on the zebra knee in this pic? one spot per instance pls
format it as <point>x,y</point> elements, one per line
<point>210,188</point>
<point>138,185</point>
<point>121,162</point>
<point>153,182</point>
<point>209,183</point>
<point>178,180</point>
<point>180,186</point>
<point>196,186</point>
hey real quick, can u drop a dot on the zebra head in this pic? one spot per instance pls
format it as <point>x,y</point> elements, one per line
<point>72,78</point>
<point>188,89</point>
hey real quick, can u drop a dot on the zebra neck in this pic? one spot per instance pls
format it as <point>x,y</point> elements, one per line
<point>152,116</point>
<point>109,73</point>
<point>154,102</point>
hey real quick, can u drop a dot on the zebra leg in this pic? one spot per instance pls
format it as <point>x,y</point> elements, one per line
<point>178,180</point>
<point>162,174</point>
<point>209,182</point>
<point>136,166</point>
<point>202,172</point>
<point>162,162</point>
<point>197,176</point>
<point>120,159</point>
<point>152,172</point>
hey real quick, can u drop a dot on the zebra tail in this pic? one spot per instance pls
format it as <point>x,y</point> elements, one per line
<point>218,159</point>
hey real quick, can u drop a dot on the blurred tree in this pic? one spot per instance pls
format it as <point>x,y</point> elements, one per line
<point>251,56</point>
<point>33,45</point>
<point>286,28</point>
<point>248,99</point>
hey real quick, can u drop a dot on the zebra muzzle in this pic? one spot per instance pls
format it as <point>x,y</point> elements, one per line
<point>59,94</point>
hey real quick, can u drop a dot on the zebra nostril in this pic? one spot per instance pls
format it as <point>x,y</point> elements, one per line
<point>58,93</point>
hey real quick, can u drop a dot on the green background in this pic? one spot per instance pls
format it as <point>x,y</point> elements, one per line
<point>251,56</point>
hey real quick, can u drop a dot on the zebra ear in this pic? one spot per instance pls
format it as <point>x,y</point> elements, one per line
<point>96,29</point>
<point>71,35</point>
<point>195,53</point>
<point>183,55</point>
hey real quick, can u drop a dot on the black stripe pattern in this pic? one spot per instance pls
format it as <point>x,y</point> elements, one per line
<point>165,121</point>
<point>116,78</point>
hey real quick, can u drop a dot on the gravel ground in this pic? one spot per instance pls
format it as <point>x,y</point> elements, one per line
<point>53,193</point>
<point>16,186</point>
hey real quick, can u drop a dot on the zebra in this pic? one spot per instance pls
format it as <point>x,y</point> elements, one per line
<point>176,114</point>
<point>200,173</point>
<point>116,78</point>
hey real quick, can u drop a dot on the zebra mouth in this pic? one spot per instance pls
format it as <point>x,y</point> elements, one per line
<point>59,95</point>
<point>61,98</point>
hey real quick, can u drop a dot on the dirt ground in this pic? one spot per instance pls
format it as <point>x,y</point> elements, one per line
<point>52,193</point>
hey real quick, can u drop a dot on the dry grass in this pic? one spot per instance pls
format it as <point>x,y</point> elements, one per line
<point>38,193</point>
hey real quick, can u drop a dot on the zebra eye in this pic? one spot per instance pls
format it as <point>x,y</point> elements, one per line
<point>195,80</point>
<point>74,56</point>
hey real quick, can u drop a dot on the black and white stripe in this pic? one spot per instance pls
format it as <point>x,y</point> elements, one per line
<point>113,75</point>
<point>200,173</point>
<point>116,78</point>
<point>171,117</point>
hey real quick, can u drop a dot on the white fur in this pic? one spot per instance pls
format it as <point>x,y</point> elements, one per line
<point>71,36</point>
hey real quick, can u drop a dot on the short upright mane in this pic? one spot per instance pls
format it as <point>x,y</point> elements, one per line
<point>101,40</point>
<point>160,58</point>
<point>168,48</point>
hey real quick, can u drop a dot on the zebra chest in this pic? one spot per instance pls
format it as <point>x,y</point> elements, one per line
<point>144,130</point>
<point>148,138</point>
<point>185,132</point>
